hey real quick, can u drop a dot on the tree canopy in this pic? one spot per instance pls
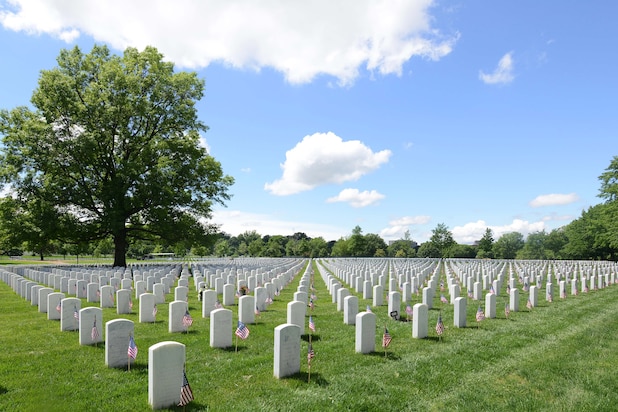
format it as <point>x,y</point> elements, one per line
<point>113,144</point>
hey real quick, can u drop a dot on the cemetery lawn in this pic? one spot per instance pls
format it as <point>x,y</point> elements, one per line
<point>557,356</point>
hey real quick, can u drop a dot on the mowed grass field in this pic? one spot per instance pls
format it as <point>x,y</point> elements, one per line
<point>559,356</point>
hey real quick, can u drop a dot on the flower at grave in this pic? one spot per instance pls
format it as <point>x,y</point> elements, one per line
<point>479,314</point>
<point>409,310</point>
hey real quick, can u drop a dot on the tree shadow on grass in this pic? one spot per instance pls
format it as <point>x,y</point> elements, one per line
<point>316,378</point>
<point>314,338</point>
<point>3,390</point>
<point>380,354</point>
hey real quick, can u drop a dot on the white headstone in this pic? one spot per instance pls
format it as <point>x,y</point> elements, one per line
<point>350,309</point>
<point>296,315</point>
<point>420,321</point>
<point>221,328</point>
<point>365,332</point>
<point>166,362</point>
<point>69,318</point>
<point>117,334</point>
<point>286,350</point>
<point>90,325</point>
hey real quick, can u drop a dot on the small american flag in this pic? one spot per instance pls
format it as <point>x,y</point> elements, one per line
<point>257,311</point>
<point>439,326</point>
<point>186,394</point>
<point>491,290</point>
<point>310,353</point>
<point>550,298</point>
<point>368,309</point>
<point>311,304</point>
<point>311,324</point>
<point>58,307</point>
<point>508,289</point>
<point>507,310</point>
<point>132,350</point>
<point>242,331</point>
<point>95,332</point>
<point>154,310</point>
<point>529,304</point>
<point>441,286</point>
<point>563,294</point>
<point>409,310</point>
<point>75,313</point>
<point>479,314</point>
<point>443,299</point>
<point>386,338</point>
<point>130,303</point>
<point>98,293</point>
<point>218,305</point>
<point>187,320</point>
<point>470,295</point>
<point>277,292</point>
<point>269,300</point>
<point>314,297</point>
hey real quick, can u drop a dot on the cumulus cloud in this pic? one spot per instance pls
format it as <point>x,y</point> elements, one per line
<point>356,198</point>
<point>502,74</point>
<point>397,227</point>
<point>473,231</point>
<point>554,199</point>
<point>299,39</point>
<point>323,158</point>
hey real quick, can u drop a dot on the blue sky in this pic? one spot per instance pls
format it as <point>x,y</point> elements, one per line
<point>392,116</point>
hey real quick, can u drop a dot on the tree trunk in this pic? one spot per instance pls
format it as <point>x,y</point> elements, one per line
<point>41,254</point>
<point>120,249</point>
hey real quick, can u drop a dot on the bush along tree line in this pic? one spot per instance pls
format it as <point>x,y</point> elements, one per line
<point>108,161</point>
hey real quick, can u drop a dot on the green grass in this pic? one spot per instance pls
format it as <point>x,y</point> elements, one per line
<point>559,356</point>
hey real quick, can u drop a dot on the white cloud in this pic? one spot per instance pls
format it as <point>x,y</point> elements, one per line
<point>473,231</point>
<point>324,158</point>
<point>397,227</point>
<point>204,143</point>
<point>301,39</point>
<point>356,198</point>
<point>554,199</point>
<point>502,74</point>
<point>235,222</point>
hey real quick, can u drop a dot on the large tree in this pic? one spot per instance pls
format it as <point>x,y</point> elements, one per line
<point>114,142</point>
<point>442,240</point>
